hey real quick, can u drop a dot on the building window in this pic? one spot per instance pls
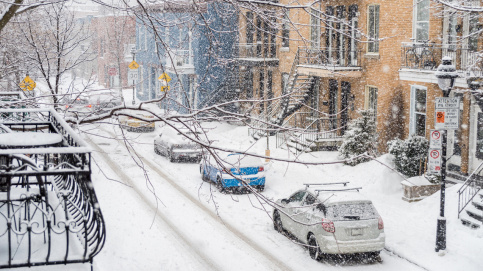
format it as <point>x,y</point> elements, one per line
<point>373,29</point>
<point>286,29</point>
<point>417,121</point>
<point>479,136</point>
<point>250,27</point>
<point>421,20</point>
<point>371,100</point>
<point>315,29</point>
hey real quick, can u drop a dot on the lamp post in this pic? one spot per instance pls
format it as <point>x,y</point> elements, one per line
<point>446,74</point>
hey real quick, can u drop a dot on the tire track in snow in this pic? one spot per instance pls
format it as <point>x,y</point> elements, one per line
<point>200,256</point>
<point>240,235</point>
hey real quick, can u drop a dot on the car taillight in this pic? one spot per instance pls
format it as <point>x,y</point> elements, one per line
<point>89,106</point>
<point>380,223</point>
<point>328,225</point>
<point>260,169</point>
<point>66,106</point>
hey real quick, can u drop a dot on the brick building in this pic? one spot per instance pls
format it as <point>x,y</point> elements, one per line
<point>114,36</point>
<point>336,57</point>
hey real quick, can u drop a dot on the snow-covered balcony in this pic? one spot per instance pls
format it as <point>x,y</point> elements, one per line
<point>419,61</point>
<point>257,54</point>
<point>329,62</point>
<point>180,62</point>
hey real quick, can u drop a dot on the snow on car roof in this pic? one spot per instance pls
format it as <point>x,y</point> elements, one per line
<point>244,160</point>
<point>335,197</point>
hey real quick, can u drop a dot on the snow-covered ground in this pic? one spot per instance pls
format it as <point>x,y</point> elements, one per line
<point>192,226</point>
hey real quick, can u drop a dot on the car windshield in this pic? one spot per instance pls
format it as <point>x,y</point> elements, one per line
<point>352,211</point>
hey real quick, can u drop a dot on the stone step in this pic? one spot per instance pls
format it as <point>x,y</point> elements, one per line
<point>469,221</point>
<point>478,204</point>
<point>474,212</point>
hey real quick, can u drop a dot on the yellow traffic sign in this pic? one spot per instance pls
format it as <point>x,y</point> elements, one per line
<point>133,65</point>
<point>164,77</point>
<point>164,88</point>
<point>27,84</point>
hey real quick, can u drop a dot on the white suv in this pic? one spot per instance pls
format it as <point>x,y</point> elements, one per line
<point>331,220</point>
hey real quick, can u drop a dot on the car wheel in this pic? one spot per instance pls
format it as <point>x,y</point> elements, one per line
<point>220,186</point>
<point>170,156</point>
<point>261,188</point>
<point>156,151</point>
<point>314,249</point>
<point>203,175</point>
<point>277,222</point>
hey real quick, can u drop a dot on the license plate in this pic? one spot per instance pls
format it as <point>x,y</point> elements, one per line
<point>355,232</point>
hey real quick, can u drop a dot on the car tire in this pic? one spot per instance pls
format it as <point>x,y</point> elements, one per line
<point>170,157</point>
<point>156,151</point>
<point>314,249</point>
<point>220,186</point>
<point>261,188</point>
<point>203,175</point>
<point>277,222</point>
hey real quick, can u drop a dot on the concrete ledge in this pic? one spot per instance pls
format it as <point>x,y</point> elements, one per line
<point>418,188</point>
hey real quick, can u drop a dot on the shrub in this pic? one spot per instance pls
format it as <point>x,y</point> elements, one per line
<point>408,154</point>
<point>361,137</point>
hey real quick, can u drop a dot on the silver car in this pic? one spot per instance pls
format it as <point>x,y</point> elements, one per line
<point>176,146</point>
<point>331,221</point>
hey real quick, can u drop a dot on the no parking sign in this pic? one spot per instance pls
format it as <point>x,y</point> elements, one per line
<point>434,161</point>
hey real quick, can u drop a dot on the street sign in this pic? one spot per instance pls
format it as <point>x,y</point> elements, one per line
<point>446,113</point>
<point>133,65</point>
<point>436,139</point>
<point>132,76</point>
<point>434,161</point>
<point>164,77</point>
<point>164,88</point>
<point>112,71</point>
<point>27,84</point>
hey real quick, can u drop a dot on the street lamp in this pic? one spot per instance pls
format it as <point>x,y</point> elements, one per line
<point>446,74</point>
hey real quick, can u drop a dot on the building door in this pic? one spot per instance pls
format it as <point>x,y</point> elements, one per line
<point>344,104</point>
<point>333,101</point>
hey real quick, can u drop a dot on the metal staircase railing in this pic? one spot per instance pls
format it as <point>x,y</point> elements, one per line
<point>468,191</point>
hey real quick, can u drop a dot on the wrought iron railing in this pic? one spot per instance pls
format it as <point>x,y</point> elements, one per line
<point>257,50</point>
<point>49,212</point>
<point>468,191</point>
<point>329,57</point>
<point>427,56</point>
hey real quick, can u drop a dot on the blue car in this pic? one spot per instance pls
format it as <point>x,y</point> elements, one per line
<point>241,167</point>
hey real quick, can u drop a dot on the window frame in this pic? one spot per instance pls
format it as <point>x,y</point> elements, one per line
<point>286,30</point>
<point>413,112</point>
<point>375,35</point>
<point>416,22</point>
<point>367,99</point>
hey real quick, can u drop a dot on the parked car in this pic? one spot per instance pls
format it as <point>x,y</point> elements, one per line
<point>92,103</point>
<point>177,147</point>
<point>331,220</point>
<point>247,168</point>
<point>133,124</point>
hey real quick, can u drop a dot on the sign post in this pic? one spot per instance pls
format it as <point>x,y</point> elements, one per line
<point>133,75</point>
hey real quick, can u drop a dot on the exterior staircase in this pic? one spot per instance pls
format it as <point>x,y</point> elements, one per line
<point>470,203</point>
<point>299,91</point>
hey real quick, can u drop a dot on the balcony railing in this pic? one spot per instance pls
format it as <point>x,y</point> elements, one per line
<point>329,57</point>
<point>424,56</point>
<point>257,50</point>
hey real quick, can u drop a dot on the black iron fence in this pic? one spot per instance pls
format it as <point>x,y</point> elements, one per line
<point>49,212</point>
<point>329,57</point>
<point>424,56</point>
<point>257,50</point>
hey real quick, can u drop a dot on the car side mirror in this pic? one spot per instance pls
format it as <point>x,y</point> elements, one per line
<point>285,201</point>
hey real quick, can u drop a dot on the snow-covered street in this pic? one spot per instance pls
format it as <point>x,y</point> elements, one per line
<point>193,226</point>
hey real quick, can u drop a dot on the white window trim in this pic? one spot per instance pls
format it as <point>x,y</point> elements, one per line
<point>367,28</point>
<point>412,112</point>
<point>366,96</point>
<point>415,14</point>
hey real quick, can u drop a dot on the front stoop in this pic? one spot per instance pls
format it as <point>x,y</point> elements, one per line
<point>472,215</point>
